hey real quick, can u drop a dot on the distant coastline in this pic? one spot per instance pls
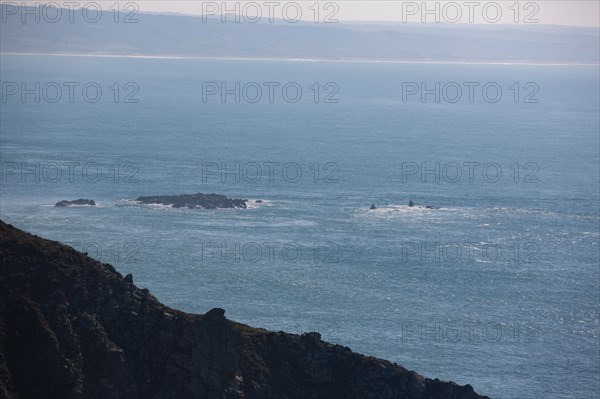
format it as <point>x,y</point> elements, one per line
<point>167,36</point>
<point>287,59</point>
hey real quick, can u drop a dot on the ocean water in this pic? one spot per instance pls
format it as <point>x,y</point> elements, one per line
<point>499,288</point>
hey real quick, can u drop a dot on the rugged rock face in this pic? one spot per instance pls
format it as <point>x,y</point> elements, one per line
<point>207,201</point>
<point>79,201</point>
<point>71,327</point>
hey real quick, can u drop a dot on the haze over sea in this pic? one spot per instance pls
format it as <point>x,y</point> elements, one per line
<point>499,288</point>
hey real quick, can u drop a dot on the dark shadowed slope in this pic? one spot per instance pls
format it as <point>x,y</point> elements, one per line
<point>71,327</point>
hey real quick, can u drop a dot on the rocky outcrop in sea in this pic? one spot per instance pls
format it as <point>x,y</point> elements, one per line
<point>200,200</point>
<point>77,202</point>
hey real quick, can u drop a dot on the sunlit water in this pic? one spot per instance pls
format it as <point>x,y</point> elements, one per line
<point>499,288</point>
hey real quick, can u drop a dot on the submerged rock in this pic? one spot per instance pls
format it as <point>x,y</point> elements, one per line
<point>79,201</point>
<point>200,200</point>
<point>72,327</point>
<point>412,204</point>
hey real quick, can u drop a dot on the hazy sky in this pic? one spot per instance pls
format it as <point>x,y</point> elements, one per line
<point>583,13</point>
<point>577,12</point>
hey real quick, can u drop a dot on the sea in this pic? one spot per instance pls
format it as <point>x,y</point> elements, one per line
<point>496,284</point>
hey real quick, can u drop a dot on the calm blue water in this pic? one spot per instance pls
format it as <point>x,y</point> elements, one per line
<point>499,288</point>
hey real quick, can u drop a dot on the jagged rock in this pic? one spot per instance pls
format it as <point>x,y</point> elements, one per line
<point>206,201</point>
<point>72,327</point>
<point>215,314</point>
<point>80,201</point>
<point>373,207</point>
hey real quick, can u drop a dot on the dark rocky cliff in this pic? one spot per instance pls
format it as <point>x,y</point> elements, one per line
<point>71,327</point>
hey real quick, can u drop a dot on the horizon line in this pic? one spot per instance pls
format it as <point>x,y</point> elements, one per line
<point>287,59</point>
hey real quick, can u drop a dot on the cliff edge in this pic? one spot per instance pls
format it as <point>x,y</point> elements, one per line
<point>72,327</point>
